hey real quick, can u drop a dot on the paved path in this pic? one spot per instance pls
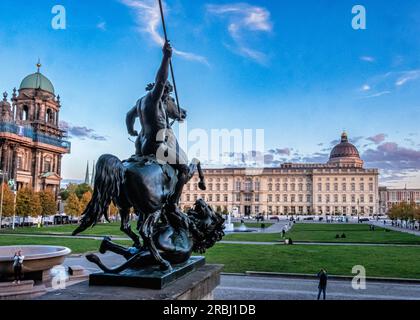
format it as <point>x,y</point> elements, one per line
<point>390,227</point>
<point>235,287</point>
<point>268,288</point>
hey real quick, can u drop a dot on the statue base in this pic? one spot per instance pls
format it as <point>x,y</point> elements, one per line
<point>197,285</point>
<point>149,278</point>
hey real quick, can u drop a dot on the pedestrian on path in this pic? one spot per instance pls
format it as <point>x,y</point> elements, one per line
<point>322,287</point>
<point>17,266</point>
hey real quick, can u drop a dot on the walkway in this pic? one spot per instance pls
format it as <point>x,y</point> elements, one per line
<point>390,227</point>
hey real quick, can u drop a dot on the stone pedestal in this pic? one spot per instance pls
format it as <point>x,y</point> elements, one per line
<point>197,285</point>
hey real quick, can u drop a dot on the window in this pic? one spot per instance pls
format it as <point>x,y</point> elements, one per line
<point>371,198</point>
<point>308,187</point>
<point>238,197</point>
<point>248,197</point>
<point>217,197</point>
<point>292,198</point>
<point>362,187</point>
<point>211,187</point>
<point>238,185</point>
<point>225,187</point>
<point>319,187</point>
<point>225,198</point>
<point>308,198</point>
<point>319,198</point>
<point>285,198</point>
<point>300,186</point>
<point>277,186</point>
<point>210,197</point>
<point>371,187</point>
<point>343,187</point>
<point>257,197</point>
<point>19,163</point>
<point>300,210</point>
<point>327,198</point>
<point>327,186</point>
<point>285,187</point>
<point>353,198</point>
<point>277,198</point>
<point>257,186</point>
<point>47,166</point>
<point>270,187</point>
<point>301,198</point>
<point>188,198</point>
<point>362,198</point>
<point>248,185</point>
<point>217,186</point>
<point>336,198</point>
<point>293,186</point>
<point>344,210</point>
<point>270,198</point>
<point>257,209</point>
<point>270,209</point>
<point>353,186</point>
<point>344,198</point>
<point>335,186</point>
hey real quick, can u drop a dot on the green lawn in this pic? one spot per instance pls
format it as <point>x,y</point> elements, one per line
<point>360,233</point>
<point>76,245</point>
<point>253,224</point>
<point>316,232</point>
<point>401,262</point>
<point>106,229</point>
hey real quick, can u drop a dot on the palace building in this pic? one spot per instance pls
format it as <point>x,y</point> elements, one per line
<point>340,186</point>
<point>31,143</point>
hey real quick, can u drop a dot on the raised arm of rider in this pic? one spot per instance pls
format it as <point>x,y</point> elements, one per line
<point>130,120</point>
<point>163,73</point>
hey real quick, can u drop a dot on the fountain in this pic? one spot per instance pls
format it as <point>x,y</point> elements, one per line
<point>243,227</point>
<point>38,262</point>
<point>229,226</point>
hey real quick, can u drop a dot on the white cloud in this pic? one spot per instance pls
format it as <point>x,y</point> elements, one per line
<point>407,76</point>
<point>367,59</point>
<point>244,18</point>
<point>379,94</point>
<point>101,26</point>
<point>149,21</point>
<point>366,87</point>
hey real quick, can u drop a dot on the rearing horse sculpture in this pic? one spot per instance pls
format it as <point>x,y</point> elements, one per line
<point>139,183</point>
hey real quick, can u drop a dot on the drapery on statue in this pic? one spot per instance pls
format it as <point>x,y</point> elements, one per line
<point>151,183</point>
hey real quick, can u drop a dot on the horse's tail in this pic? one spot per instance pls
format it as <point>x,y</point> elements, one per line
<point>109,178</point>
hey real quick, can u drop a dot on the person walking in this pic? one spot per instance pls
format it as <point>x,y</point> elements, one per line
<point>17,266</point>
<point>322,287</point>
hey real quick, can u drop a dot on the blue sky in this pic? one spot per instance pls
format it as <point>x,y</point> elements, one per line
<point>296,69</point>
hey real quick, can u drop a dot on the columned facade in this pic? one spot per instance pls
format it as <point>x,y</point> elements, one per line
<point>340,187</point>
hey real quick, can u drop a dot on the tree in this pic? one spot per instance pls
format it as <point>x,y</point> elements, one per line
<point>27,203</point>
<point>8,201</point>
<point>48,204</point>
<point>72,206</point>
<point>113,210</point>
<point>87,196</point>
<point>81,189</point>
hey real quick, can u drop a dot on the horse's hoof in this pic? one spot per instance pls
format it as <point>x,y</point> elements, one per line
<point>104,245</point>
<point>166,267</point>
<point>93,258</point>
<point>202,185</point>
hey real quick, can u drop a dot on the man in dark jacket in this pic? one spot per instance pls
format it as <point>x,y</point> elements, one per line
<point>322,287</point>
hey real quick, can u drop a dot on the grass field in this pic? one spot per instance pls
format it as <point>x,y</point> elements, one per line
<point>253,224</point>
<point>317,232</point>
<point>76,245</point>
<point>109,229</point>
<point>401,262</point>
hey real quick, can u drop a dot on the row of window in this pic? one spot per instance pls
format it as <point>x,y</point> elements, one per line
<point>249,197</point>
<point>249,186</point>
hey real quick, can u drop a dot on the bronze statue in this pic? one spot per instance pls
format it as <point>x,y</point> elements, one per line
<point>205,228</point>
<point>151,183</point>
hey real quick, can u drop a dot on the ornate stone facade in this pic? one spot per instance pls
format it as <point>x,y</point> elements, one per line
<point>341,186</point>
<point>31,142</point>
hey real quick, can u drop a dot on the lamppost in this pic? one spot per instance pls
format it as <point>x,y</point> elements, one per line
<point>357,211</point>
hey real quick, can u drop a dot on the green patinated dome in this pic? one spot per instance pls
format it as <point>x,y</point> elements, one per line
<point>37,81</point>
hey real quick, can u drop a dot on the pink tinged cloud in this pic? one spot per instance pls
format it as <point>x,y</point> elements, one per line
<point>377,139</point>
<point>149,21</point>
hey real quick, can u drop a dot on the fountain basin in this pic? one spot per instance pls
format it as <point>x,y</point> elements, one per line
<point>37,258</point>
